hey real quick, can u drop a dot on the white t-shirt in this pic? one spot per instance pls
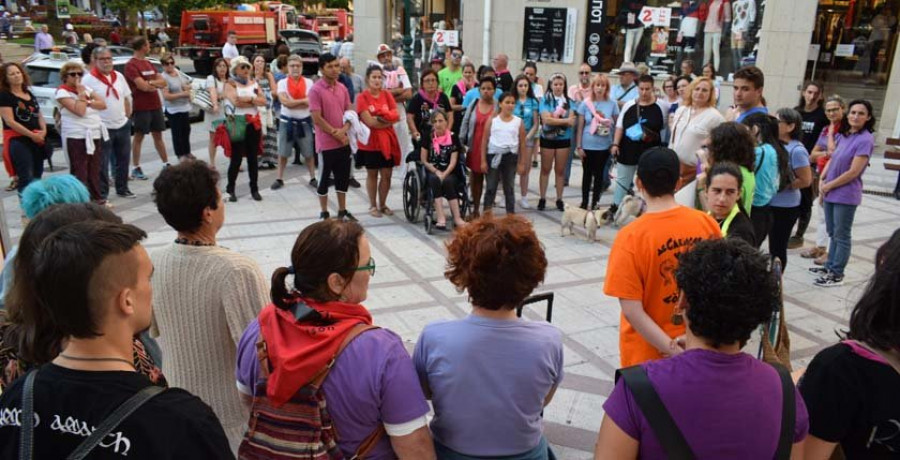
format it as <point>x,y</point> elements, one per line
<point>296,112</point>
<point>76,127</point>
<point>230,51</point>
<point>504,135</point>
<point>114,115</point>
<point>245,91</point>
<point>689,129</point>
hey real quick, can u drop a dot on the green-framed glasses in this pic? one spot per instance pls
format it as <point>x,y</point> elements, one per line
<point>369,267</point>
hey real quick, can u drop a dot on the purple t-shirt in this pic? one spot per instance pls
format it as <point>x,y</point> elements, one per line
<point>372,382</point>
<point>477,366</point>
<point>726,406</point>
<point>848,147</point>
<point>331,102</point>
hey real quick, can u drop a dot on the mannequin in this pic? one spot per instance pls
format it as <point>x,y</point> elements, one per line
<point>744,15</point>
<point>629,21</point>
<point>687,32</point>
<point>716,15</point>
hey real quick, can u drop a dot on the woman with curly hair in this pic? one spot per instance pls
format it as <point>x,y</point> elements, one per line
<point>734,143</point>
<point>515,365</point>
<point>712,390</point>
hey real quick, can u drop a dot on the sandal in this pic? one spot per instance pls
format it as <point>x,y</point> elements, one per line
<point>374,212</point>
<point>442,227</point>
<point>13,184</point>
<point>387,211</point>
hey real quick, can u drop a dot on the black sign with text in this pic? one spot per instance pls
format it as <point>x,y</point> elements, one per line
<point>594,33</point>
<point>545,34</point>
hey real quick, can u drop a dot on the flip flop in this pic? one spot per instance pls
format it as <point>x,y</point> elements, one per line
<point>374,212</point>
<point>387,211</point>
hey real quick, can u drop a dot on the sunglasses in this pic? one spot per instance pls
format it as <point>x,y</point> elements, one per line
<point>75,74</point>
<point>169,63</point>
<point>456,55</point>
<point>369,267</point>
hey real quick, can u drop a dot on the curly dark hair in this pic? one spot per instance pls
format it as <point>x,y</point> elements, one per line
<point>732,141</point>
<point>728,289</point>
<point>498,261</point>
<point>323,248</point>
<point>182,192</point>
<point>869,126</point>
<point>875,319</point>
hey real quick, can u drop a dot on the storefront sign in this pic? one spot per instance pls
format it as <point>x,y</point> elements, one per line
<point>660,17</point>
<point>813,53</point>
<point>62,9</point>
<point>549,35</point>
<point>593,35</point>
<point>446,37</point>
<point>843,51</point>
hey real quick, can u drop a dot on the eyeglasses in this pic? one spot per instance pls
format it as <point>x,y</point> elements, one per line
<point>105,59</point>
<point>456,55</point>
<point>169,63</point>
<point>832,110</point>
<point>584,73</point>
<point>369,267</point>
<point>75,74</point>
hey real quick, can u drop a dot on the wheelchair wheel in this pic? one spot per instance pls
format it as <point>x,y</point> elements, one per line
<point>412,187</point>
<point>429,224</point>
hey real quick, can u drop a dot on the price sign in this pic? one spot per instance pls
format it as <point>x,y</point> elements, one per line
<point>659,17</point>
<point>446,37</point>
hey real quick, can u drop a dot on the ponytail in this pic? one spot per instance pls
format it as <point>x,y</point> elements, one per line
<point>279,291</point>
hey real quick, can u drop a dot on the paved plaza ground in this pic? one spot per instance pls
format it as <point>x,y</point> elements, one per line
<point>409,289</point>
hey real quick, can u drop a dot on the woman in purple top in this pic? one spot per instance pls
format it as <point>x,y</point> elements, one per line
<point>490,374</point>
<point>725,403</point>
<point>841,187</point>
<point>372,382</point>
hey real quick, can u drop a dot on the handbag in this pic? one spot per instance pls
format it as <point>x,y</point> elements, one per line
<point>235,124</point>
<point>201,98</point>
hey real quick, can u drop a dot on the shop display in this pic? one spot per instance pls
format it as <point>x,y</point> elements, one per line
<point>629,20</point>
<point>716,16</point>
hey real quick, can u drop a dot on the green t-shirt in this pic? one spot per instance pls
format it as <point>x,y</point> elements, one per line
<point>447,78</point>
<point>747,189</point>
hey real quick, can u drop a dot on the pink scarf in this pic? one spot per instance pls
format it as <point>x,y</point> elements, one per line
<point>437,141</point>
<point>433,102</point>
<point>598,118</point>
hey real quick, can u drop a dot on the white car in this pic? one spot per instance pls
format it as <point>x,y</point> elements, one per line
<point>44,75</point>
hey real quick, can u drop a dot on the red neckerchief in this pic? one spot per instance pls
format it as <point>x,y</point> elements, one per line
<point>298,351</point>
<point>106,81</point>
<point>69,89</point>
<point>297,89</point>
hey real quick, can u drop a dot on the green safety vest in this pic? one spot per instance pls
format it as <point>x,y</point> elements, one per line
<point>727,223</point>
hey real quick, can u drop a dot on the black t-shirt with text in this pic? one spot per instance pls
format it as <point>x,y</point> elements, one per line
<point>855,401</point>
<point>69,404</point>
<point>813,124</point>
<point>421,109</point>
<point>26,112</point>
<point>630,151</point>
<point>441,158</point>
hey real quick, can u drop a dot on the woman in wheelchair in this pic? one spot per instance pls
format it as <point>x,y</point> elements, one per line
<point>440,158</point>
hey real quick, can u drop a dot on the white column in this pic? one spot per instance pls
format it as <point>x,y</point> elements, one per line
<point>784,43</point>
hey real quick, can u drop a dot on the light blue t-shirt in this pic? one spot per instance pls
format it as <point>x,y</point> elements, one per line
<point>766,167</point>
<point>526,110</point>
<point>790,197</point>
<point>488,380</point>
<point>548,105</point>
<point>475,93</point>
<point>619,95</point>
<point>608,109</point>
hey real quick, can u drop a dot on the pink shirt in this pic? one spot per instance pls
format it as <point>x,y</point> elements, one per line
<point>331,101</point>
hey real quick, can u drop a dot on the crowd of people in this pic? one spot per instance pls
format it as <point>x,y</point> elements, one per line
<point>294,365</point>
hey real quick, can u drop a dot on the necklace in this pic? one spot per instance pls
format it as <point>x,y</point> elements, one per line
<point>188,242</point>
<point>79,358</point>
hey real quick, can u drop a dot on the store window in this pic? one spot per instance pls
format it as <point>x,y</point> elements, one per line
<point>662,34</point>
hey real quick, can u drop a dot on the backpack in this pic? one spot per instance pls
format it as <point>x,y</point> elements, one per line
<point>302,428</point>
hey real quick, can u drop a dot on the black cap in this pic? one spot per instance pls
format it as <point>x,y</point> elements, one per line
<point>659,171</point>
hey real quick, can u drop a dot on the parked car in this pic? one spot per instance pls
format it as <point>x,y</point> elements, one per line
<point>44,75</point>
<point>74,52</point>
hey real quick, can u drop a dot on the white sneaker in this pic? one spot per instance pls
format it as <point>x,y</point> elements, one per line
<point>524,203</point>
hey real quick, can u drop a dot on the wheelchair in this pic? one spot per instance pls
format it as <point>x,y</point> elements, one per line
<point>417,195</point>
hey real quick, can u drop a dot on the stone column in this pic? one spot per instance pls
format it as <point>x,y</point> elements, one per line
<point>783,48</point>
<point>371,23</point>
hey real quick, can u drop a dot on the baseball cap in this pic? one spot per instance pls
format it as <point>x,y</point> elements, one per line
<point>659,171</point>
<point>383,48</point>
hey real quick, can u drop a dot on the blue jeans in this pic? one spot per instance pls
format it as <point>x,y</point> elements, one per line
<point>624,181</point>
<point>116,154</point>
<point>838,222</point>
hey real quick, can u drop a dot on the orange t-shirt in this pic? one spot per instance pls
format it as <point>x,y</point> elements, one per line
<point>642,267</point>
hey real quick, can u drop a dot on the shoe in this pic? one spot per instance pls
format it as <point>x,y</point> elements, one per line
<point>138,174</point>
<point>232,197</point>
<point>313,182</point>
<point>167,165</point>
<point>542,203</point>
<point>13,184</point>
<point>595,206</point>
<point>354,183</point>
<point>795,242</point>
<point>813,253</point>
<point>374,212</point>
<point>256,196</point>
<point>821,259</point>
<point>583,205</point>
<point>278,184</point>
<point>829,280</point>
<point>524,203</point>
<point>897,195</point>
<point>565,183</point>
<point>818,271</point>
<point>346,216</point>
<point>324,215</point>
<point>534,164</point>
<point>610,213</point>
<point>127,194</point>
<point>560,205</point>
<point>387,211</point>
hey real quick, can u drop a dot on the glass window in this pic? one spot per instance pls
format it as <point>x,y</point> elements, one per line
<point>43,77</point>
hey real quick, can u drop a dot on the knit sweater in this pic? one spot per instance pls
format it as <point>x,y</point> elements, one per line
<point>203,299</point>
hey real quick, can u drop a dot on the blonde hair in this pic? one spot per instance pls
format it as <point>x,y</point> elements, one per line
<point>68,67</point>
<point>604,80</point>
<point>689,95</point>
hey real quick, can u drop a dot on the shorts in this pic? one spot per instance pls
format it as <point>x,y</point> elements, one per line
<point>373,159</point>
<point>147,121</point>
<point>288,141</point>
<point>334,163</point>
<point>555,143</point>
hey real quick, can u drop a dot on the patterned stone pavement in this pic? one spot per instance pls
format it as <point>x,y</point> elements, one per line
<point>409,289</point>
